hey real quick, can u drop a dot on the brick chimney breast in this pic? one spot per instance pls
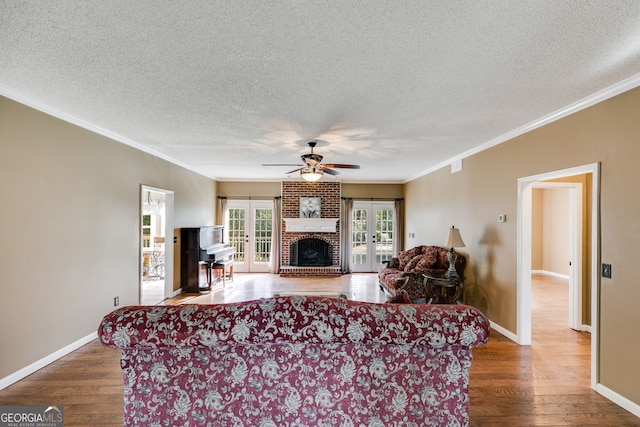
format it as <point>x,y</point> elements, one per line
<point>329,194</point>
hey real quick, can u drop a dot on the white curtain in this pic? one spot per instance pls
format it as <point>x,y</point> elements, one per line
<point>398,224</point>
<point>276,230</point>
<point>345,235</point>
<point>221,211</point>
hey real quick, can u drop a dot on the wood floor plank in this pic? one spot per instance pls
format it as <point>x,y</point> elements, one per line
<point>545,384</point>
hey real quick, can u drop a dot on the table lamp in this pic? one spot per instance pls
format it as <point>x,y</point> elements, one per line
<point>454,240</point>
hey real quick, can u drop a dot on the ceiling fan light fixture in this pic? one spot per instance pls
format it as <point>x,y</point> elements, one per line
<point>311,174</point>
<point>312,169</point>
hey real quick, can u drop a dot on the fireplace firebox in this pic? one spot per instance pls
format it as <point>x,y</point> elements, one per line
<point>311,252</point>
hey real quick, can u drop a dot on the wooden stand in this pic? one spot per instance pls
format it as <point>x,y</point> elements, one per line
<point>444,290</point>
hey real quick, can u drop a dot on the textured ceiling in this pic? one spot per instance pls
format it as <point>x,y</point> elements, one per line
<point>399,87</point>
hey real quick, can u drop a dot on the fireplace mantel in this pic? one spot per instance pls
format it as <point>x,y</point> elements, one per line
<point>311,225</point>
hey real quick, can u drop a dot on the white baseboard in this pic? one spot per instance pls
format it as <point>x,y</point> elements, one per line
<point>585,328</point>
<point>513,337</point>
<point>619,400</point>
<point>551,273</point>
<point>28,370</point>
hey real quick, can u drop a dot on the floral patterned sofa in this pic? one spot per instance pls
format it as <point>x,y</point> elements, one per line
<point>403,271</point>
<point>295,361</point>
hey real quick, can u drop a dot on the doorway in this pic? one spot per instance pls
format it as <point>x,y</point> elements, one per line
<point>524,237</point>
<point>156,245</point>
<point>557,250</point>
<point>249,227</point>
<point>372,235</point>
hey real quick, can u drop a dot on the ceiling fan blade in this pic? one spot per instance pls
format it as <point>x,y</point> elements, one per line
<point>330,171</point>
<point>338,165</point>
<point>295,170</point>
<point>280,164</point>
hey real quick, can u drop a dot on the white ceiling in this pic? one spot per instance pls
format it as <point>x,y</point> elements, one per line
<point>399,87</point>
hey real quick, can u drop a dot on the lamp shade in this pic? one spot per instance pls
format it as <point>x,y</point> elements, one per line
<point>454,240</point>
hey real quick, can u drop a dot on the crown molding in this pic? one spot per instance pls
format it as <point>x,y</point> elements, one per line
<point>43,108</point>
<point>602,95</point>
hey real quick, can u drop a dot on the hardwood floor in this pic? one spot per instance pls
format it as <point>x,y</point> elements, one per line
<point>360,287</point>
<point>546,384</point>
<point>152,292</point>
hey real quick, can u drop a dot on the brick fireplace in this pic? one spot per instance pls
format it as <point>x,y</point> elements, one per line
<point>297,230</point>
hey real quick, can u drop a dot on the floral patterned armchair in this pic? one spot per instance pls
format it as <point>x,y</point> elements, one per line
<point>303,361</point>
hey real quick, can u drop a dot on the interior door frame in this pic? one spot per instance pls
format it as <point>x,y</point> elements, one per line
<point>524,203</point>
<point>168,236</point>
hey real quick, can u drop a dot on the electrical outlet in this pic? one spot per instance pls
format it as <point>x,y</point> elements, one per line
<point>116,301</point>
<point>606,271</point>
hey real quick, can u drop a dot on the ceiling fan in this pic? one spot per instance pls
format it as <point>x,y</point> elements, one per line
<point>311,169</point>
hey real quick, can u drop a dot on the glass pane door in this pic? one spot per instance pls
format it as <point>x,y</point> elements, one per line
<point>249,230</point>
<point>237,235</point>
<point>262,228</point>
<point>372,237</point>
<point>359,233</point>
<point>384,234</point>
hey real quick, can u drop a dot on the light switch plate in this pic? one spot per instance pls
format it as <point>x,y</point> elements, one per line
<point>502,218</point>
<point>606,271</point>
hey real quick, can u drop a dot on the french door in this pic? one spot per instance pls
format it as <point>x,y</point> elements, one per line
<point>249,230</point>
<point>372,235</point>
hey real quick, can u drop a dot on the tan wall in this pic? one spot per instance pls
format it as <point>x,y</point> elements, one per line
<point>607,133</point>
<point>372,191</point>
<point>271,189</point>
<point>246,190</point>
<point>537,222</point>
<point>555,231</point>
<point>70,229</point>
